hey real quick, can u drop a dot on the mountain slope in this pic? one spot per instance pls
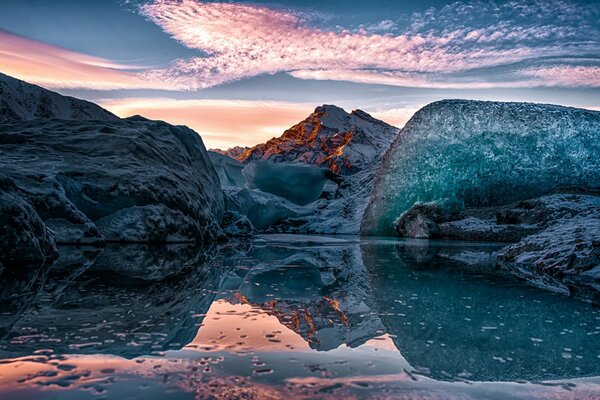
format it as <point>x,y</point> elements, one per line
<point>342,142</point>
<point>22,101</point>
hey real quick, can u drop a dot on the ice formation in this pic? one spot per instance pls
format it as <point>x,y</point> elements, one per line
<point>261,208</point>
<point>299,183</point>
<point>461,153</point>
<point>228,169</point>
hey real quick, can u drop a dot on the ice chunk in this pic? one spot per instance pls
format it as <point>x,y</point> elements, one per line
<point>228,169</point>
<point>462,153</point>
<point>262,209</point>
<point>299,183</point>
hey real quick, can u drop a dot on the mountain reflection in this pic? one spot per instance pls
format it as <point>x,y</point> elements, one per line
<point>290,316</point>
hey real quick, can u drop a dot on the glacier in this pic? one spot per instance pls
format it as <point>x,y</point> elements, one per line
<point>228,169</point>
<point>467,154</point>
<point>298,183</point>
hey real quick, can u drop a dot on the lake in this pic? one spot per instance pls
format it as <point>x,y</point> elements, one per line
<point>290,316</point>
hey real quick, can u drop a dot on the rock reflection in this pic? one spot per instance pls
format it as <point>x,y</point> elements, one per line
<point>127,301</point>
<point>292,317</point>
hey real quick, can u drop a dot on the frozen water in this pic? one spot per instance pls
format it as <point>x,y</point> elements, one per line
<point>462,153</point>
<point>228,169</point>
<point>298,183</point>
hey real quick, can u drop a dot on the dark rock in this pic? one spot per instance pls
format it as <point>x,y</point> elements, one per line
<point>123,181</point>
<point>235,224</point>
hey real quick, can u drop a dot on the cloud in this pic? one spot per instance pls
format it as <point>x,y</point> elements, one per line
<point>566,75</point>
<point>56,67</point>
<point>241,40</point>
<point>464,45</point>
<point>221,123</point>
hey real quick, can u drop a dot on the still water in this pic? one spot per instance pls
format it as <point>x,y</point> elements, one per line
<point>285,316</point>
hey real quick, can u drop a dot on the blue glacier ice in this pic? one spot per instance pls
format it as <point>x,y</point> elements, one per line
<point>299,183</point>
<point>462,154</point>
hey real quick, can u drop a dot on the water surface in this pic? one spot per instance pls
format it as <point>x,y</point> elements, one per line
<point>291,316</point>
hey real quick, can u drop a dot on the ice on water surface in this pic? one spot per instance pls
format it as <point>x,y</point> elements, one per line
<point>463,153</point>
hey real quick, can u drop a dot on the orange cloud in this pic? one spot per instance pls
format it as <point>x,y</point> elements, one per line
<point>56,67</point>
<point>221,123</point>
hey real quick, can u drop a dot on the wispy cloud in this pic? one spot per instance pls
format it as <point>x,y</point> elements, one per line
<point>56,67</point>
<point>464,45</point>
<point>242,40</point>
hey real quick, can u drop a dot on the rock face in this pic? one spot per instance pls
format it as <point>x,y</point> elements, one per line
<point>233,152</point>
<point>95,181</point>
<point>469,154</point>
<point>557,237</point>
<point>22,101</point>
<point>329,138</point>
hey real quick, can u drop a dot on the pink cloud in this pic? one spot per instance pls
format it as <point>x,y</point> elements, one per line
<point>56,67</point>
<point>247,40</point>
<point>566,75</point>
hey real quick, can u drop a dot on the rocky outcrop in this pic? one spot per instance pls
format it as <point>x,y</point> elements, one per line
<point>22,101</point>
<point>233,152</point>
<point>556,237</point>
<point>23,235</point>
<point>89,182</point>
<point>330,138</point>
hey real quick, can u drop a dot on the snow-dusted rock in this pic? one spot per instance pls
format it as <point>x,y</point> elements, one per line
<point>509,223</point>
<point>464,154</point>
<point>566,254</point>
<point>235,224</point>
<point>261,208</point>
<point>329,138</point>
<point>22,101</point>
<point>123,180</point>
<point>233,152</point>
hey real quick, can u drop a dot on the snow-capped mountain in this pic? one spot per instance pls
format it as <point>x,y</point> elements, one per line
<point>22,101</point>
<point>342,142</point>
<point>233,152</point>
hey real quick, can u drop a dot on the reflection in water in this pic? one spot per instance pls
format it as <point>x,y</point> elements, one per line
<point>291,316</point>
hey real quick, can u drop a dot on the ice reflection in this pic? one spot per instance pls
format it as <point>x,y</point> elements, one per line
<point>291,317</point>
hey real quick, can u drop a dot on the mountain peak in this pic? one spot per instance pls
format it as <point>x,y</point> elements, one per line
<point>330,137</point>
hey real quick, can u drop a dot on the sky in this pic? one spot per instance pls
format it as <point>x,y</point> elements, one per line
<point>242,72</point>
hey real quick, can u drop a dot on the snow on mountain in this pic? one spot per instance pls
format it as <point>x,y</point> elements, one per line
<point>233,152</point>
<point>22,101</point>
<point>345,143</point>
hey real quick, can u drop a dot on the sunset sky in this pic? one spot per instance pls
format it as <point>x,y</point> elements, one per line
<point>241,72</point>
